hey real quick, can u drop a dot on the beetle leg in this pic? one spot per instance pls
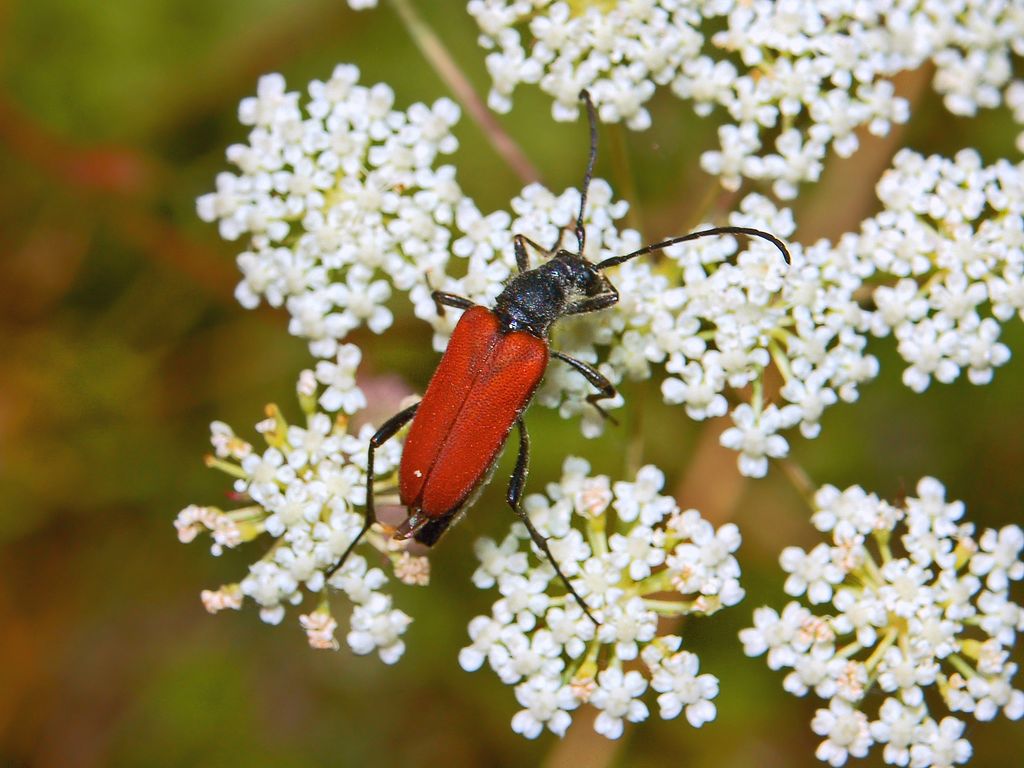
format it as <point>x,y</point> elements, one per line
<point>388,430</point>
<point>521,241</point>
<point>561,236</point>
<point>516,486</point>
<point>522,257</point>
<point>594,303</point>
<point>442,300</point>
<point>595,377</point>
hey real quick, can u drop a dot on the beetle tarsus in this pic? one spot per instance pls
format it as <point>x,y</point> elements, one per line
<point>516,486</point>
<point>597,379</point>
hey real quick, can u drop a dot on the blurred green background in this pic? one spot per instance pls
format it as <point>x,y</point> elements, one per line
<point>121,341</point>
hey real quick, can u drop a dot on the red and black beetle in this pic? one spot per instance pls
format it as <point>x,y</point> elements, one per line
<point>494,363</point>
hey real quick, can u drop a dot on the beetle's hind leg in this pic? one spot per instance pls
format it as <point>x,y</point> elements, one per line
<point>388,430</point>
<point>595,377</point>
<point>516,486</point>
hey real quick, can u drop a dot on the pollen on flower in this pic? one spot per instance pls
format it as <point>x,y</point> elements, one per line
<point>320,628</point>
<point>650,560</point>
<point>192,520</point>
<point>897,621</point>
<point>225,598</point>
<point>411,569</point>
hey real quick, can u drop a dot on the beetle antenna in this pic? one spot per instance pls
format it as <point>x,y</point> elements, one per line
<point>748,231</point>
<point>581,233</point>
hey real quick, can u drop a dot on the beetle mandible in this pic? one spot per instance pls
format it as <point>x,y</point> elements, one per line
<point>487,376</point>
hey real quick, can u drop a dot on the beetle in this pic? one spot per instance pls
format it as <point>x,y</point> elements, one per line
<point>487,377</point>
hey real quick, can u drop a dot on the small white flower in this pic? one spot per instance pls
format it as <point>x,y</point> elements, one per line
<point>377,626</point>
<point>617,696</point>
<point>846,731</point>
<point>497,560</point>
<point>546,703</point>
<point>940,745</point>
<point>754,436</point>
<point>811,572</point>
<point>681,687</point>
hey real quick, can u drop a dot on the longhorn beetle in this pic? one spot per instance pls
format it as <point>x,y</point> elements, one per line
<point>493,364</point>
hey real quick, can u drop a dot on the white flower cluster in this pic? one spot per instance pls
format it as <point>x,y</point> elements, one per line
<point>633,558</point>
<point>340,201</point>
<point>946,247</point>
<point>384,220</point>
<point>342,205</point>
<point>305,492</point>
<point>914,602</point>
<point>951,239</point>
<point>804,73</point>
<point>940,268</point>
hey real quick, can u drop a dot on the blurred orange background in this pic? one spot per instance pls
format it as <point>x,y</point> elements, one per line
<point>121,341</point>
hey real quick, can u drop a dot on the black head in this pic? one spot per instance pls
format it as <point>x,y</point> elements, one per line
<point>569,284</point>
<point>582,277</point>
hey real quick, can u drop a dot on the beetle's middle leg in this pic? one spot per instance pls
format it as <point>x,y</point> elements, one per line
<point>388,430</point>
<point>516,486</point>
<point>595,377</point>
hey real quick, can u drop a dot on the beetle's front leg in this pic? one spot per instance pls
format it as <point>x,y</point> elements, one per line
<point>594,303</point>
<point>516,486</point>
<point>388,430</point>
<point>595,377</point>
<point>443,299</point>
<point>521,241</point>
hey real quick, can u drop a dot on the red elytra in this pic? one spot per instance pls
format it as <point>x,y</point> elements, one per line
<point>484,381</point>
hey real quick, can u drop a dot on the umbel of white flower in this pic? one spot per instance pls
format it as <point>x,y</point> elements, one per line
<point>810,73</point>
<point>633,556</point>
<point>906,602</point>
<point>303,497</point>
<point>342,206</point>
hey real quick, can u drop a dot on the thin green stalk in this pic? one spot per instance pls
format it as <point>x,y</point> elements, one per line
<point>707,202</point>
<point>800,480</point>
<point>225,466</point>
<point>622,169</point>
<point>440,59</point>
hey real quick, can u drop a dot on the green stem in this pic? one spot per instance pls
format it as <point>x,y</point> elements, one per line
<point>887,640</point>
<point>707,202</point>
<point>849,650</point>
<point>800,480</point>
<point>780,359</point>
<point>656,582</point>
<point>757,401</point>
<point>440,59</point>
<point>882,540</point>
<point>962,666</point>
<point>226,467</point>
<point>618,151</point>
<point>667,607</point>
<point>245,514</point>
<point>597,534</point>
